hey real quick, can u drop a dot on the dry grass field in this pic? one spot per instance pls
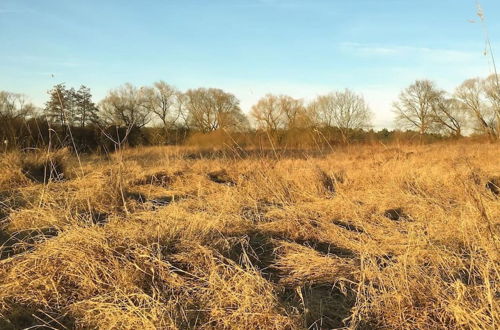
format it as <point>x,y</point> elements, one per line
<point>368,237</point>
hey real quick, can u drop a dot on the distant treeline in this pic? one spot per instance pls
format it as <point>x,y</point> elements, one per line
<point>162,115</point>
<point>39,133</point>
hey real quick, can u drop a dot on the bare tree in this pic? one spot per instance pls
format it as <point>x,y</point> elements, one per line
<point>471,97</point>
<point>14,110</point>
<point>125,106</point>
<point>275,112</point>
<point>345,110</point>
<point>448,115</point>
<point>166,102</point>
<point>323,108</point>
<point>293,110</point>
<point>181,101</point>
<point>415,107</point>
<point>268,114</point>
<point>491,87</point>
<point>210,109</point>
<point>13,105</point>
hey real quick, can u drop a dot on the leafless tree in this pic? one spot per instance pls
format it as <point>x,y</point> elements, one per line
<point>294,112</point>
<point>449,117</point>
<point>323,108</point>
<point>275,112</point>
<point>210,109</point>
<point>345,110</point>
<point>181,101</point>
<point>165,102</point>
<point>472,98</point>
<point>14,110</point>
<point>162,100</point>
<point>13,105</point>
<point>415,107</point>
<point>126,106</point>
<point>268,114</point>
<point>491,87</point>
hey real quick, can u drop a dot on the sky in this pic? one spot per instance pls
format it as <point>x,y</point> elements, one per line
<point>246,47</point>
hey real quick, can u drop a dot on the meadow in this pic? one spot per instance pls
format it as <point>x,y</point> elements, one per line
<point>359,237</point>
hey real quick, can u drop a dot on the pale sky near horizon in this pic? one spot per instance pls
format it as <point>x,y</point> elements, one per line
<point>248,48</point>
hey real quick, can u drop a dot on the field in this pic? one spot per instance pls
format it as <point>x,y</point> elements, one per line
<point>364,237</point>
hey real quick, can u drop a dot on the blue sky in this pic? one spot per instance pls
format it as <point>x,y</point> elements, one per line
<point>302,48</point>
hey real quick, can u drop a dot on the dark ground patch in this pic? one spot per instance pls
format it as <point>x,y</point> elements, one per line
<point>397,214</point>
<point>136,196</point>
<point>493,185</point>
<point>385,260</point>
<point>94,217</point>
<point>10,200</point>
<point>468,276</point>
<point>347,226</point>
<point>24,317</point>
<point>326,248</point>
<point>221,177</point>
<point>323,306</point>
<point>160,179</point>
<point>23,241</point>
<point>328,182</point>
<point>45,171</point>
<point>165,200</point>
<point>155,202</point>
<point>4,212</point>
<point>4,238</point>
<point>259,249</point>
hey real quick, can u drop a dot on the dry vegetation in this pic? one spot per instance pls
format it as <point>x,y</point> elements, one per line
<point>370,237</point>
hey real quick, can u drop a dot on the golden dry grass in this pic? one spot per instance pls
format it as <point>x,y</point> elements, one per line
<point>159,238</point>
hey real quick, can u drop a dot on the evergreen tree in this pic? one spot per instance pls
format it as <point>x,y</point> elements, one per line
<point>85,111</point>
<point>70,106</point>
<point>59,106</point>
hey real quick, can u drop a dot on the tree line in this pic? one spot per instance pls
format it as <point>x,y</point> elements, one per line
<point>162,114</point>
<point>475,104</point>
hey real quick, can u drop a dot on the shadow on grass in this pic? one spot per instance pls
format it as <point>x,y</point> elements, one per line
<point>25,317</point>
<point>23,241</point>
